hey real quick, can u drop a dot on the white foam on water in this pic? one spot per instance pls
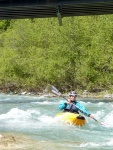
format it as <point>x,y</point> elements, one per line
<point>98,114</point>
<point>45,102</point>
<point>108,119</point>
<point>110,143</point>
<point>17,119</point>
<point>16,113</point>
<point>100,103</point>
<point>47,119</point>
<point>89,144</point>
<point>109,105</point>
<point>43,96</point>
<point>95,145</point>
<point>84,103</point>
<point>59,120</point>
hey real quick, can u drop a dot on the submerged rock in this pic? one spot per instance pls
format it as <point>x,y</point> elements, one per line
<point>15,142</point>
<point>21,142</point>
<point>9,141</point>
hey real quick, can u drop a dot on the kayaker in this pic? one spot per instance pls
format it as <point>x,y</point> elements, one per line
<point>72,105</point>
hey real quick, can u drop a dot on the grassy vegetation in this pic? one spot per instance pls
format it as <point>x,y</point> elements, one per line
<point>77,55</point>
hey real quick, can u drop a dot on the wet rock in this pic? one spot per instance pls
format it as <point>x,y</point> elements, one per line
<point>9,141</point>
<point>19,142</point>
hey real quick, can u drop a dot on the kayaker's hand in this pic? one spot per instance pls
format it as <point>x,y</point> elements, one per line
<point>68,101</point>
<point>91,116</point>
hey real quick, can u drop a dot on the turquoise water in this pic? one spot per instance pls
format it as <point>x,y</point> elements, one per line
<point>34,117</point>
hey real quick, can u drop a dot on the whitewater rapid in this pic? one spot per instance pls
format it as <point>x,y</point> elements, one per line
<point>34,117</point>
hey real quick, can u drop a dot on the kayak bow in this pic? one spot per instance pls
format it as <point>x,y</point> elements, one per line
<point>71,118</point>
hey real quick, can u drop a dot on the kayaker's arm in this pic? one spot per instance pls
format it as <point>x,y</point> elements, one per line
<point>62,105</point>
<point>83,110</point>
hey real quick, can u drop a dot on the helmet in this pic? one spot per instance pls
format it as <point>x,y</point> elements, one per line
<point>72,93</point>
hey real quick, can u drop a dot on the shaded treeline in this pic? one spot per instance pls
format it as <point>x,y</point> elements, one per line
<point>37,52</point>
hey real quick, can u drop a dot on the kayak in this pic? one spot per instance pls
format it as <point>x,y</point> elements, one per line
<point>72,118</point>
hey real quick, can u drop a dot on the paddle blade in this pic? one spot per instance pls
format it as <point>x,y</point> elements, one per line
<point>103,124</point>
<point>52,89</point>
<point>55,91</point>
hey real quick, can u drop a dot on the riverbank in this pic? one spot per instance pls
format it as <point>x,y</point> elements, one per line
<point>83,94</point>
<point>12,90</point>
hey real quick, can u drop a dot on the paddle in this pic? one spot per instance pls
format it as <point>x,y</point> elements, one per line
<point>54,90</point>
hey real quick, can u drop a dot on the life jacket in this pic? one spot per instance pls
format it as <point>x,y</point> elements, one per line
<point>72,108</point>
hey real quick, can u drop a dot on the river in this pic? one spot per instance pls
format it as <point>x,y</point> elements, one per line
<point>34,118</point>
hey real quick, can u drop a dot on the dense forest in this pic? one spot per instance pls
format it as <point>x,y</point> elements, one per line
<point>37,52</point>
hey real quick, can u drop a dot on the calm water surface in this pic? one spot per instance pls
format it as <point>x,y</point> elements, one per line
<point>34,117</point>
